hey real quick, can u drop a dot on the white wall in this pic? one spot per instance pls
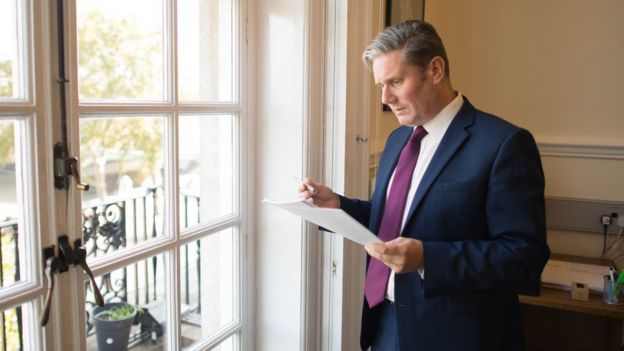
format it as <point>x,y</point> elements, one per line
<point>307,121</point>
<point>279,38</point>
<point>553,67</point>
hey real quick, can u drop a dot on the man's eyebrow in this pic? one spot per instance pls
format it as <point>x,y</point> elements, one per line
<point>388,80</point>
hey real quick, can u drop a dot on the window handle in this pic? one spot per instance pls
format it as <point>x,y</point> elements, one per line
<point>51,267</point>
<point>73,167</point>
<point>61,263</point>
<point>66,166</point>
<point>81,259</point>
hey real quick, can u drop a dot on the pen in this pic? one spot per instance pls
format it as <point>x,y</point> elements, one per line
<point>310,188</point>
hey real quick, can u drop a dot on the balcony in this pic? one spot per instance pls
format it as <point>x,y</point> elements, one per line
<point>109,226</point>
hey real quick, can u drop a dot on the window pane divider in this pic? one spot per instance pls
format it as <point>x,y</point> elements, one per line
<point>220,336</point>
<point>20,293</point>
<point>16,109</point>
<point>121,258</point>
<point>159,108</point>
<point>205,229</point>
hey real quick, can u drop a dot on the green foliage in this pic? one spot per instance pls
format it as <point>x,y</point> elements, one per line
<point>117,313</point>
<point>7,144</point>
<point>6,75</point>
<point>6,128</point>
<point>100,136</point>
<point>11,329</point>
<point>116,59</point>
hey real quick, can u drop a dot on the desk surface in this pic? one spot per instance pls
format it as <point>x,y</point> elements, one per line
<point>560,299</point>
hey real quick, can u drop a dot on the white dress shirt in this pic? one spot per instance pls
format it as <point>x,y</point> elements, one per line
<point>436,128</point>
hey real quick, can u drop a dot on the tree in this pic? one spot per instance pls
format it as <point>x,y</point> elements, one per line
<point>6,144</point>
<point>6,128</point>
<point>100,136</point>
<point>118,61</point>
<point>6,89</point>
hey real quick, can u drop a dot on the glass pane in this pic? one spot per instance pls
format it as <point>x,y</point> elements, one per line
<point>14,322</point>
<point>206,50</point>
<point>120,49</point>
<point>208,285</point>
<point>122,160</point>
<point>11,60</point>
<point>9,234</point>
<point>206,168</point>
<point>139,287</point>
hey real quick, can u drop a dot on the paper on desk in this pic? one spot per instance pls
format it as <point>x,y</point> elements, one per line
<point>336,220</point>
<point>561,274</point>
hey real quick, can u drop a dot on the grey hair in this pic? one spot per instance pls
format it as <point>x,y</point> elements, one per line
<point>418,41</point>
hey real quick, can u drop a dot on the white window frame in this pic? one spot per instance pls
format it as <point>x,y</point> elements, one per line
<point>69,285</point>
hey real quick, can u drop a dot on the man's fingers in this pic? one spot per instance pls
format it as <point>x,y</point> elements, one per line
<point>401,254</point>
<point>374,249</point>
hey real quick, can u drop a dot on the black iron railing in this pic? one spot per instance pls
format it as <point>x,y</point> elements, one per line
<point>109,226</point>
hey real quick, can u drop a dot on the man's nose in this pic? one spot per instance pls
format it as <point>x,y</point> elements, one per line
<point>387,97</point>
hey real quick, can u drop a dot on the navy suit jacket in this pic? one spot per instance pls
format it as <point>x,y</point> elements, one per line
<point>479,211</point>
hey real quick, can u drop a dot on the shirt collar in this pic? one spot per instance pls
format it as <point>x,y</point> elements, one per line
<point>437,126</point>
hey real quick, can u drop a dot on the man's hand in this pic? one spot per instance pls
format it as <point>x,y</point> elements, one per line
<point>321,197</point>
<point>402,255</point>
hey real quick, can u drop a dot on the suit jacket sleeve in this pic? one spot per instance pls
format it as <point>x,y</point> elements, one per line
<point>358,209</point>
<point>515,250</point>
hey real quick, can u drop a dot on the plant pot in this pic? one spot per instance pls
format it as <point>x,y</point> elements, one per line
<point>112,334</point>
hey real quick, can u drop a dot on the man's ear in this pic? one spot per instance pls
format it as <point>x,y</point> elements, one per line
<point>437,69</point>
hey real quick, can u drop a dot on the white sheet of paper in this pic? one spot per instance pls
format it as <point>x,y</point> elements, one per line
<point>336,220</point>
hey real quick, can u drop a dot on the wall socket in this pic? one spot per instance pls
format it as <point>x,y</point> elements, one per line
<point>583,215</point>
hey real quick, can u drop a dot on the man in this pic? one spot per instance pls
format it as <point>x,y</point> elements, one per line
<point>464,192</point>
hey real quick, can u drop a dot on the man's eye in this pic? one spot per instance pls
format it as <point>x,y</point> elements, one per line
<point>397,82</point>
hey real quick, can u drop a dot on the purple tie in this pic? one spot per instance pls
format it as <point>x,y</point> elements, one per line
<point>378,273</point>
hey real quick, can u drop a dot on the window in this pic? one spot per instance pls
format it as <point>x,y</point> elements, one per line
<point>155,114</point>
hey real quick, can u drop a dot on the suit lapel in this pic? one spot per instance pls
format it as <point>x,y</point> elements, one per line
<point>454,137</point>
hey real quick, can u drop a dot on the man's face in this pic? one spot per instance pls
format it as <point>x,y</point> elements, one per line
<point>407,90</point>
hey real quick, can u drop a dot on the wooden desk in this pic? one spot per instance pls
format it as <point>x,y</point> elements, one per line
<point>553,321</point>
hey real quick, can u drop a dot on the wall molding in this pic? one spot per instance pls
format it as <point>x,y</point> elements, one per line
<point>553,149</point>
<point>578,150</point>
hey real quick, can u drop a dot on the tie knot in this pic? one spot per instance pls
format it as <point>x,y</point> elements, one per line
<point>418,134</point>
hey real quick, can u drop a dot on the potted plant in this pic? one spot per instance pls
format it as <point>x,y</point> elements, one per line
<point>112,325</point>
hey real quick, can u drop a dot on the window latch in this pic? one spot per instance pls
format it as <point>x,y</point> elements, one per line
<point>60,263</point>
<point>66,166</point>
<point>51,267</point>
